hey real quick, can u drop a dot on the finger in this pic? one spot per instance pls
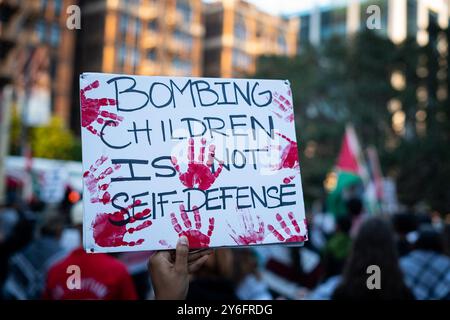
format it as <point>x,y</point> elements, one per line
<point>158,258</point>
<point>197,255</point>
<point>181,255</point>
<point>193,267</point>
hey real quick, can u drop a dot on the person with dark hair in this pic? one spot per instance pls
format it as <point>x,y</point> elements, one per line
<point>426,268</point>
<point>16,231</point>
<point>102,277</point>
<point>355,213</point>
<point>404,225</point>
<point>28,267</point>
<point>374,246</point>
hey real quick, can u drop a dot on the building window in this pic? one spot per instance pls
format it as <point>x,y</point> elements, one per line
<point>282,43</point>
<point>53,68</point>
<point>184,39</point>
<point>240,31</point>
<point>136,57</point>
<point>40,30</point>
<point>57,7</point>
<point>44,4</point>
<point>183,66</point>
<point>138,27</point>
<point>259,30</point>
<point>241,60</point>
<point>123,24</point>
<point>55,35</point>
<point>185,10</point>
<point>152,25</point>
<point>151,54</point>
<point>122,54</point>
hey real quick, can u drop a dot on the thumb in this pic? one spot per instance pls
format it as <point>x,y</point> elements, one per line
<point>181,255</point>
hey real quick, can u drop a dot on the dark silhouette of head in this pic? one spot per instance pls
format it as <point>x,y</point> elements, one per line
<point>344,224</point>
<point>404,223</point>
<point>354,207</point>
<point>374,245</point>
<point>430,240</point>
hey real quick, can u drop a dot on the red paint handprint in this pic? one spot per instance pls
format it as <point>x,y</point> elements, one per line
<point>286,110</point>
<point>250,235</point>
<point>94,183</point>
<point>91,113</point>
<point>289,238</point>
<point>196,238</point>
<point>289,157</point>
<point>198,173</point>
<point>111,228</point>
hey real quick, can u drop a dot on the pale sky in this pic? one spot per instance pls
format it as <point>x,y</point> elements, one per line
<point>293,6</point>
<point>289,6</point>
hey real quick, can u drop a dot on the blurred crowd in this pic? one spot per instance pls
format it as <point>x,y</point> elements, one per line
<point>41,253</point>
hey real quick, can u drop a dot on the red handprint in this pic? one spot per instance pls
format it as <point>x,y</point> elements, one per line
<point>289,158</point>
<point>196,238</point>
<point>284,105</point>
<point>93,183</point>
<point>90,110</point>
<point>110,228</point>
<point>198,173</point>
<point>290,237</point>
<point>250,234</point>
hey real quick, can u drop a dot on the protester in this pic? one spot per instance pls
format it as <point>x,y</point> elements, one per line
<point>28,267</point>
<point>248,280</point>
<point>100,275</point>
<point>405,225</point>
<point>426,268</point>
<point>373,246</point>
<point>337,248</point>
<point>16,231</point>
<point>355,213</point>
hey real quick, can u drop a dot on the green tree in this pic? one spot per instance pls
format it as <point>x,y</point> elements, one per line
<point>349,80</point>
<point>54,141</point>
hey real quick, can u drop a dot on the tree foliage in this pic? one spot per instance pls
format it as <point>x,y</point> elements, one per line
<point>54,141</point>
<point>349,80</point>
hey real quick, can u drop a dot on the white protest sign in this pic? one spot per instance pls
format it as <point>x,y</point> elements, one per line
<point>212,159</point>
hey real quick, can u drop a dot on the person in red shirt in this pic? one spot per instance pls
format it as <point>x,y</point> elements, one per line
<point>88,276</point>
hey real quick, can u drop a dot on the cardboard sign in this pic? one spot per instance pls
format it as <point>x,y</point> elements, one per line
<point>212,159</point>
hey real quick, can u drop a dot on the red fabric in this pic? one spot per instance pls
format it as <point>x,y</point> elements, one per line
<point>102,278</point>
<point>347,159</point>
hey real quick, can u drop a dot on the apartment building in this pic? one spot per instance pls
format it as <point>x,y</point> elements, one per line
<point>399,19</point>
<point>37,57</point>
<point>148,37</point>
<point>237,33</point>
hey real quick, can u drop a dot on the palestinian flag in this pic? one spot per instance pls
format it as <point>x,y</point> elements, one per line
<point>351,174</point>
